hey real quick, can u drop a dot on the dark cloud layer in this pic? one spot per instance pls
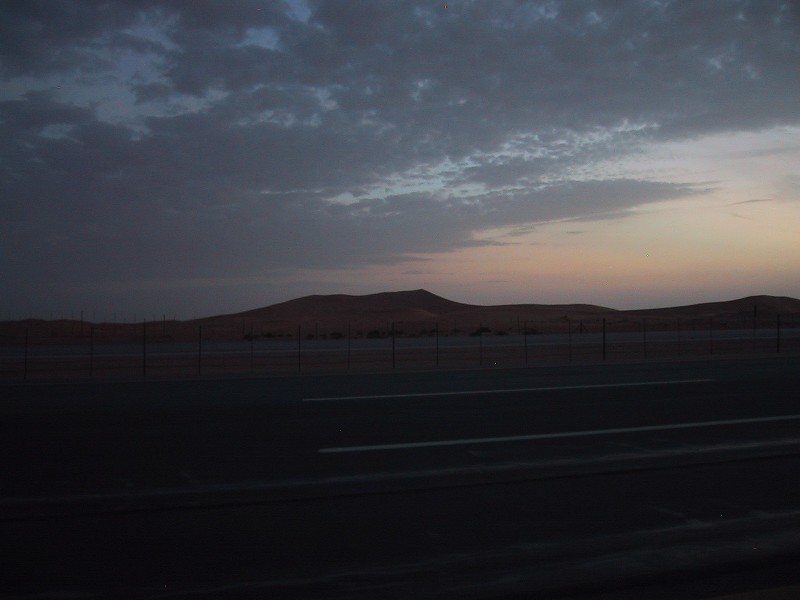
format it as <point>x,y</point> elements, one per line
<point>205,139</point>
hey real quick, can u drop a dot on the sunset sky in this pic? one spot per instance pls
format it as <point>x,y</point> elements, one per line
<point>204,157</point>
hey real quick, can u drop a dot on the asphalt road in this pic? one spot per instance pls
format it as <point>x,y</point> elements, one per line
<point>638,480</point>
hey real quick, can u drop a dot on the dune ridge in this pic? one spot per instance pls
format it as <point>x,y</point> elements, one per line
<point>416,312</point>
<point>421,304</point>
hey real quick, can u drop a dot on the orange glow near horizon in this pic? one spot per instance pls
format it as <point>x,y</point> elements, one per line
<point>656,257</point>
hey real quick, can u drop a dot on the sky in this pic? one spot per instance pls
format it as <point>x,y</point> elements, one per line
<point>201,157</point>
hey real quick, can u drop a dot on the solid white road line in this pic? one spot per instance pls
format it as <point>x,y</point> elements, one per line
<point>550,436</point>
<point>507,391</point>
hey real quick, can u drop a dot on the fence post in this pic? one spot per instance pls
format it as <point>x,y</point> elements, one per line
<point>437,343</point>
<point>348,346</point>
<point>569,340</point>
<point>678,329</point>
<point>91,351</point>
<point>480,344</point>
<point>644,337</point>
<point>144,348</point>
<point>604,338</point>
<point>525,342</point>
<point>778,336</point>
<point>393,347</point>
<point>711,335</point>
<point>199,350</point>
<point>25,357</point>
<point>299,350</point>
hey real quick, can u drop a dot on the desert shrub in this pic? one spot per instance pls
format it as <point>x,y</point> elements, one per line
<point>481,330</point>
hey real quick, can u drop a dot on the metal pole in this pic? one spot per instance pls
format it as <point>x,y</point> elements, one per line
<point>144,348</point>
<point>569,340</point>
<point>25,358</point>
<point>679,336</point>
<point>299,350</point>
<point>525,342</point>
<point>91,351</point>
<point>480,344</point>
<point>393,346</point>
<point>644,336</point>
<point>604,338</point>
<point>437,343</point>
<point>778,336</point>
<point>252,358</point>
<point>711,335</point>
<point>348,346</point>
<point>199,349</point>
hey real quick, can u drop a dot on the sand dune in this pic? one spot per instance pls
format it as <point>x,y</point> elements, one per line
<point>416,312</point>
<point>397,306</point>
<point>422,304</point>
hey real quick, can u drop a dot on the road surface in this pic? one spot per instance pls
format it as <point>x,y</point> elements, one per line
<point>626,480</point>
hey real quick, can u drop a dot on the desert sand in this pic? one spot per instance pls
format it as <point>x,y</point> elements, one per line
<point>410,313</point>
<point>410,329</point>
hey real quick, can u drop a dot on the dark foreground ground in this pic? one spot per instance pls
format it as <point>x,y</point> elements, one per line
<point>657,480</point>
<point>40,358</point>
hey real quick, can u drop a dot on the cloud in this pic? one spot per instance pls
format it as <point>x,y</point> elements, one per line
<point>753,201</point>
<point>195,140</point>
